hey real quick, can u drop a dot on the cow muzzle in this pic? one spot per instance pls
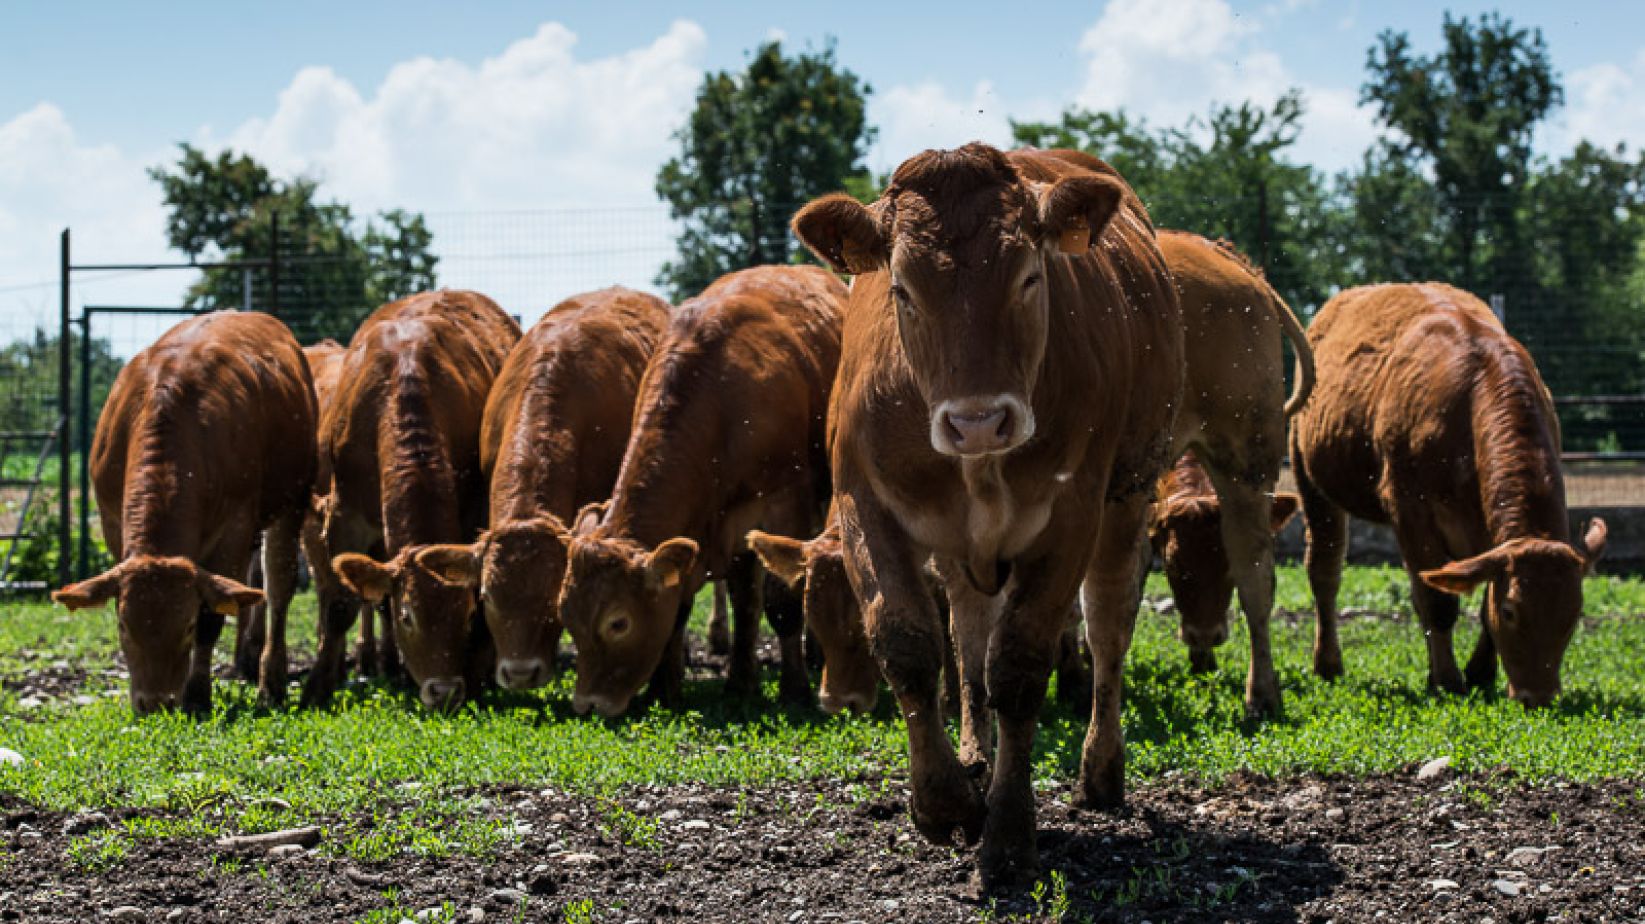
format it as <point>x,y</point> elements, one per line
<point>981,426</point>
<point>443,693</point>
<point>521,673</point>
<point>604,706</point>
<point>1532,699</point>
<point>833,703</point>
<point>144,703</point>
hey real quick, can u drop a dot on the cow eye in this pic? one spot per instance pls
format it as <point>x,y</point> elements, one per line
<point>1032,281</point>
<point>900,293</point>
<point>618,627</point>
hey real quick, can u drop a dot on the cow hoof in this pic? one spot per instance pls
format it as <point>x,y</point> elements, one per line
<point>271,696</point>
<point>719,639</point>
<point>1004,871</point>
<point>247,669</point>
<point>1482,680</point>
<point>1453,685</point>
<point>1101,792</point>
<point>1262,707</point>
<point>1328,668</point>
<point>316,695</point>
<point>948,805</point>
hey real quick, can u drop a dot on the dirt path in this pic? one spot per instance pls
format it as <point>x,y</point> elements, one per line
<point>1394,849</point>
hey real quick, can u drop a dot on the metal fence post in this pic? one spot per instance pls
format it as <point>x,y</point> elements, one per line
<point>85,438</point>
<point>274,264</point>
<point>64,360</point>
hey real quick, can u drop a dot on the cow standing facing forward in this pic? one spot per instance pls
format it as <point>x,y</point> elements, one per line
<point>1429,417</point>
<point>728,435</point>
<point>1006,408</point>
<point>403,437</point>
<point>206,440</point>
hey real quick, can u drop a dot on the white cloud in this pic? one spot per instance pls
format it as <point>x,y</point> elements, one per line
<point>532,126</point>
<point>1169,60</point>
<point>925,115</point>
<point>1605,104</point>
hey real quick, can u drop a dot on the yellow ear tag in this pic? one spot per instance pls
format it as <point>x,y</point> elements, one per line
<point>226,608</point>
<point>1075,240</point>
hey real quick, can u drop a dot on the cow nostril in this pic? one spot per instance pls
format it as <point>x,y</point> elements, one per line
<point>443,693</point>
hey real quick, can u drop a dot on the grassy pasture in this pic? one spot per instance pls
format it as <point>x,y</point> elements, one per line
<point>388,779</point>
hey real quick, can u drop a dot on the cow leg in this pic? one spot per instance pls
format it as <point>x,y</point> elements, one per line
<point>197,690</point>
<point>906,638</point>
<point>1110,597</point>
<point>1247,534</point>
<point>719,624</point>
<point>280,573</point>
<point>952,707</point>
<point>1327,549</point>
<point>1481,670</point>
<point>785,610</point>
<point>972,617</point>
<point>337,614</point>
<point>1073,681</point>
<point>366,656</point>
<point>743,586</point>
<point>1437,612</point>
<point>250,632</point>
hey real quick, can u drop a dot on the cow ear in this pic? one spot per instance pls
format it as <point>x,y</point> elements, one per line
<point>90,592</point>
<point>843,233</point>
<point>781,555</point>
<point>1593,542</point>
<point>1285,507</point>
<point>457,565</point>
<point>1075,210</point>
<point>589,517</point>
<point>668,566</point>
<point>369,580</point>
<point>225,596</point>
<point>1461,577</point>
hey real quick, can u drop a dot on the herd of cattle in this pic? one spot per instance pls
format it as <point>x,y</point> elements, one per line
<point>936,471</point>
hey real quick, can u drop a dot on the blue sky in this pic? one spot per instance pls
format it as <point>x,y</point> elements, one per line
<point>471,109</point>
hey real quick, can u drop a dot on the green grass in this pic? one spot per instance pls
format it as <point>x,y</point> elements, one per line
<point>377,755</point>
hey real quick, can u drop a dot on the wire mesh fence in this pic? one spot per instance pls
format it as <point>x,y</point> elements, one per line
<point>1588,337</point>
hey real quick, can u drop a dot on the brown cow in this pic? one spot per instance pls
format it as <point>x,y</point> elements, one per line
<point>1233,417</point>
<point>206,440</point>
<point>1006,408</point>
<point>555,429</point>
<point>728,435</point>
<point>1186,531</point>
<point>403,437</point>
<point>1430,417</point>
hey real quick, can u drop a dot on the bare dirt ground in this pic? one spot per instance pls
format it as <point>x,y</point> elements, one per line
<point>1382,848</point>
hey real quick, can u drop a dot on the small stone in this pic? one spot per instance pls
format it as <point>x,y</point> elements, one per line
<point>1508,887</point>
<point>175,914</point>
<point>1433,769</point>
<point>889,904</point>
<point>671,815</point>
<point>507,898</point>
<point>476,915</point>
<point>80,824</point>
<point>1334,814</point>
<point>287,851</point>
<point>1441,884</point>
<point>795,916</point>
<point>695,824</point>
<point>127,913</point>
<point>579,859</point>
<point>10,758</point>
<point>1527,856</point>
<point>430,914</point>
<point>84,700</point>
<point>560,818</point>
<point>31,702</point>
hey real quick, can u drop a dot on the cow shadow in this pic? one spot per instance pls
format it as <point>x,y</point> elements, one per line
<point>1149,864</point>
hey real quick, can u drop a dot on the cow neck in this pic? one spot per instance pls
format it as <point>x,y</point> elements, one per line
<point>419,485</point>
<point>1516,448</point>
<point>163,510</point>
<point>673,477</point>
<point>538,459</point>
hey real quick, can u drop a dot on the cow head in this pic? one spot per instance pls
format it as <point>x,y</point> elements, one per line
<point>1535,600</point>
<point>968,246</point>
<point>816,569</point>
<point>432,619</point>
<point>518,569</point>
<point>620,601</point>
<point>159,600</point>
<point>1186,532</point>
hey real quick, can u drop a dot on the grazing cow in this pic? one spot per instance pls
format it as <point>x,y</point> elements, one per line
<point>1233,419</point>
<point>1011,366</point>
<point>1430,417</point>
<point>728,435</point>
<point>555,429</point>
<point>206,440</point>
<point>403,438</point>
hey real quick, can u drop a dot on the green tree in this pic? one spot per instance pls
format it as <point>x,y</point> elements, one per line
<point>1224,176</point>
<point>28,367</point>
<point>758,145</point>
<point>333,271</point>
<point>1396,228</point>
<point>1468,114</point>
